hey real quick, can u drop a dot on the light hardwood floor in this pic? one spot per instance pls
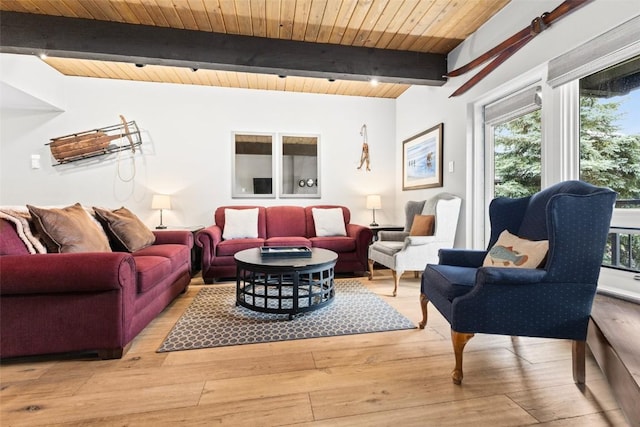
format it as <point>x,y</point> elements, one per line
<point>398,378</point>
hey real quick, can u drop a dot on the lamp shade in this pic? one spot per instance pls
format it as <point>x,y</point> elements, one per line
<point>161,201</point>
<point>374,201</point>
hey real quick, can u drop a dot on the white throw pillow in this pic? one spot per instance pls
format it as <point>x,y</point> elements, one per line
<point>240,224</point>
<point>329,222</point>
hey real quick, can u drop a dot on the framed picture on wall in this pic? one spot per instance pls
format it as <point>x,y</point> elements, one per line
<point>422,159</point>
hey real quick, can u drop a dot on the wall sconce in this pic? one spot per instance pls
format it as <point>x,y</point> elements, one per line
<point>374,202</point>
<point>161,201</point>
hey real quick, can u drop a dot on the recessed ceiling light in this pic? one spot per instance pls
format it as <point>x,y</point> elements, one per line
<point>282,76</point>
<point>140,65</point>
<point>43,56</point>
<point>374,82</point>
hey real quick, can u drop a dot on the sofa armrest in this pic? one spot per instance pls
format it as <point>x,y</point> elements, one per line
<point>178,237</point>
<point>422,240</point>
<point>208,239</point>
<point>363,236</point>
<point>462,257</point>
<point>60,273</point>
<point>360,233</point>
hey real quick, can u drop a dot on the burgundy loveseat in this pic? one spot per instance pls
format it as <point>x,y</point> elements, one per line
<point>77,302</point>
<point>282,226</point>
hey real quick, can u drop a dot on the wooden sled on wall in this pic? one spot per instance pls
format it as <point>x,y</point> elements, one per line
<point>96,142</point>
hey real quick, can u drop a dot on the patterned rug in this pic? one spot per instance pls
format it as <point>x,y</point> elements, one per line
<point>213,320</point>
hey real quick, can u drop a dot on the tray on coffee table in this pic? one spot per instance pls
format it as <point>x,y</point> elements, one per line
<point>285,252</point>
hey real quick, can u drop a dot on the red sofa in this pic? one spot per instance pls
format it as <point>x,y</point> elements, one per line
<point>77,302</point>
<point>282,226</point>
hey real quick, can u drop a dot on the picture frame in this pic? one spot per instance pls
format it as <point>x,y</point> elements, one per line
<point>422,159</point>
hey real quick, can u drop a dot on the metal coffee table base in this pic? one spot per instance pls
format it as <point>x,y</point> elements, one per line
<point>285,292</point>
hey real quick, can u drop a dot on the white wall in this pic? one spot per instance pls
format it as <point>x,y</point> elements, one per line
<point>187,129</point>
<point>422,107</point>
<point>187,146</point>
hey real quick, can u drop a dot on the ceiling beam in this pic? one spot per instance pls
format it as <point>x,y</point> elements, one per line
<point>26,33</point>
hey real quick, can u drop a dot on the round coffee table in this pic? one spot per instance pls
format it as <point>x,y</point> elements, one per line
<point>285,285</point>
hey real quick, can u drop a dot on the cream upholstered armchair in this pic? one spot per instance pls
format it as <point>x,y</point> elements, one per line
<point>400,251</point>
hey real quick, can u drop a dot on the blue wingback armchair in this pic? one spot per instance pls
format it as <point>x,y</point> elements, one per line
<point>552,301</point>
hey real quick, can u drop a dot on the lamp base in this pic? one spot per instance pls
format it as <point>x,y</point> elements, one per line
<point>161,227</point>
<point>374,224</point>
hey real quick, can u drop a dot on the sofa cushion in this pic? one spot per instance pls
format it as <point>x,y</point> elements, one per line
<point>388,247</point>
<point>285,221</point>
<point>125,230</point>
<point>450,281</point>
<point>329,222</point>
<point>335,243</point>
<point>230,247</point>
<point>177,254</point>
<point>240,224</point>
<point>150,271</point>
<point>69,229</point>
<point>288,241</point>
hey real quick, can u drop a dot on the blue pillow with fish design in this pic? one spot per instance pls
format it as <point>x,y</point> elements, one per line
<point>513,251</point>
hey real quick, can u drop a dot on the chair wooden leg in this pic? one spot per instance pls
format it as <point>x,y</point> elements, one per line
<point>578,361</point>
<point>423,304</point>
<point>396,279</point>
<point>459,340</point>
<point>371,262</point>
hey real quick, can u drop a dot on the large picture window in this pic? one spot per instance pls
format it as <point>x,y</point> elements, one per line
<point>599,81</point>
<point>610,151</point>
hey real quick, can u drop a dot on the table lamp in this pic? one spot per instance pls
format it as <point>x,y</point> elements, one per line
<point>161,201</point>
<point>374,202</point>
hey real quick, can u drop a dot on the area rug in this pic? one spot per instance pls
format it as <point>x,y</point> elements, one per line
<point>213,320</point>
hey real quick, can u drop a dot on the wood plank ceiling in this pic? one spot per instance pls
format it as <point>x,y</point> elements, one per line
<point>426,26</point>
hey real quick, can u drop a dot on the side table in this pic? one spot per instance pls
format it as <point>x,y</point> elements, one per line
<point>196,251</point>
<point>378,228</point>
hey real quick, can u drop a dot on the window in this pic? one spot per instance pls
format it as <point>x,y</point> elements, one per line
<point>599,81</point>
<point>517,156</point>
<point>610,152</point>
<point>513,135</point>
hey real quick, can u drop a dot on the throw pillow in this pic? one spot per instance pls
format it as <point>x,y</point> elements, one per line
<point>329,222</point>
<point>240,224</point>
<point>125,230</point>
<point>69,229</point>
<point>513,251</point>
<point>422,225</point>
